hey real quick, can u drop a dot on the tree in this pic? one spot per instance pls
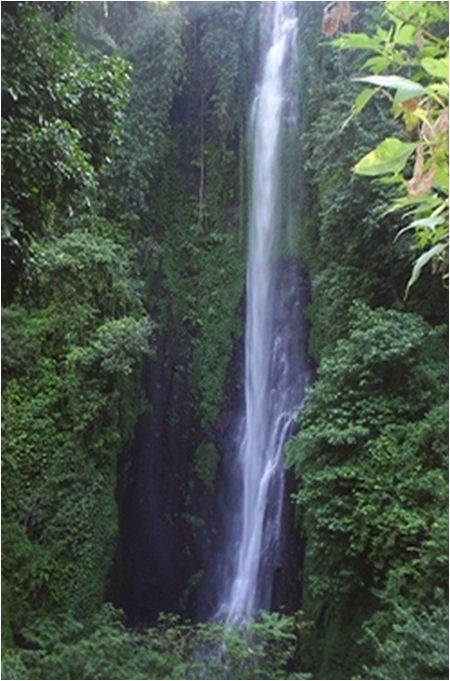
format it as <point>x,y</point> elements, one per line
<point>61,118</point>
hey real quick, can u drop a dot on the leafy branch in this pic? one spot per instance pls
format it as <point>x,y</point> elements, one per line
<point>411,45</point>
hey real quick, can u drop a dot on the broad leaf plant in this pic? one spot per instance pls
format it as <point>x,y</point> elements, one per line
<point>415,45</point>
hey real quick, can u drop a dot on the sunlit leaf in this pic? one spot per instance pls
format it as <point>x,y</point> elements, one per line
<point>420,263</point>
<point>389,157</point>
<point>406,35</point>
<point>361,101</point>
<point>405,88</point>
<point>441,178</point>
<point>354,41</point>
<point>377,64</point>
<point>427,203</point>
<point>439,88</point>
<point>438,68</point>
<point>428,223</point>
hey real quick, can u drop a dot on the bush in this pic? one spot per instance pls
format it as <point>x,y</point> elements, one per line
<point>62,648</point>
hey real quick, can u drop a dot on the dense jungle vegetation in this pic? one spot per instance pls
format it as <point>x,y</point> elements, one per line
<point>125,183</point>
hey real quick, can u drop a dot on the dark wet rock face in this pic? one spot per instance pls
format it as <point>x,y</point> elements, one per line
<point>155,560</point>
<point>173,531</point>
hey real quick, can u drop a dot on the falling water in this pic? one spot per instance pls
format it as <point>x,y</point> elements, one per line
<point>271,395</point>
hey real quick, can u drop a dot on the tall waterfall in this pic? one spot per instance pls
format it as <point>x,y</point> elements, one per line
<point>273,387</point>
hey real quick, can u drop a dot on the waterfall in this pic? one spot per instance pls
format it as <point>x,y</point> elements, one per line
<point>274,388</point>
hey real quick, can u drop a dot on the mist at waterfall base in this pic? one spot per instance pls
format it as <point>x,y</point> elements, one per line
<point>277,369</point>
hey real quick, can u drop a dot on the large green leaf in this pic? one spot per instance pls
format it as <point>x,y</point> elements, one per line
<point>405,88</point>
<point>441,178</point>
<point>438,68</point>
<point>356,41</point>
<point>376,64</point>
<point>389,157</point>
<point>406,35</point>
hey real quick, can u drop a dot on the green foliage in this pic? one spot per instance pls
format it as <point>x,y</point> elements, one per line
<point>206,462</point>
<point>372,464</point>
<point>151,39</point>
<point>180,171</point>
<point>61,118</point>
<point>117,345</point>
<point>345,236</point>
<point>370,455</point>
<point>221,269</point>
<point>79,222</point>
<point>222,54</point>
<point>389,157</point>
<point>412,45</point>
<point>59,516</point>
<point>63,649</point>
<point>71,358</point>
<point>212,255</point>
<point>81,265</point>
<point>416,646</point>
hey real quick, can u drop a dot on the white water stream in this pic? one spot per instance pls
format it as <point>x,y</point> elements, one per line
<point>269,401</point>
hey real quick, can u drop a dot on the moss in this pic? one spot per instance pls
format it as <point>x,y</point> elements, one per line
<point>193,584</point>
<point>205,465</point>
<point>200,281</point>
